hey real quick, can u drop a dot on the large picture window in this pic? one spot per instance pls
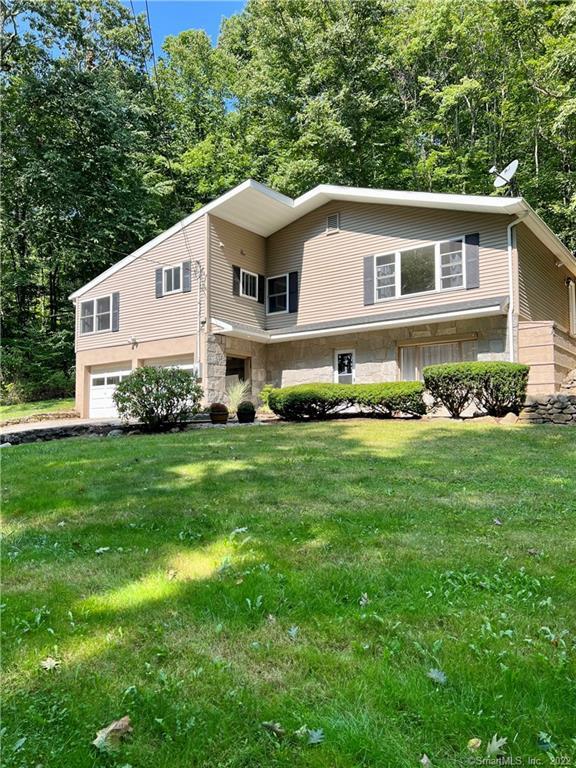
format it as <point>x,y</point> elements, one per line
<point>414,358</point>
<point>96,315</point>
<point>438,267</point>
<point>277,292</point>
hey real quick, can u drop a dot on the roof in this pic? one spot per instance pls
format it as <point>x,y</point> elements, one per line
<point>262,210</point>
<point>486,307</point>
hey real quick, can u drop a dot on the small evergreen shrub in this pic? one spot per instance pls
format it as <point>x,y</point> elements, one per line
<point>158,397</point>
<point>246,412</point>
<point>321,401</point>
<point>218,408</point>
<point>497,388</point>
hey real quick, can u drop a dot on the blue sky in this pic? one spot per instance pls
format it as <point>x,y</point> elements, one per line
<point>169,17</point>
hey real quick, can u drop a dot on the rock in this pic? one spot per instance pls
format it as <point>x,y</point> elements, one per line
<point>5,445</point>
<point>561,418</point>
<point>115,433</point>
<point>510,418</point>
<point>485,420</point>
<point>174,430</point>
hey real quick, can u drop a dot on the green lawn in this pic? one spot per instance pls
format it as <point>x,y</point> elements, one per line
<point>20,410</point>
<point>310,575</point>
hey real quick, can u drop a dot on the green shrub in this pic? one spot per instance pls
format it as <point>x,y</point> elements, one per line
<point>501,387</point>
<point>265,394</point>
<point>320,401</point>
<point>497,388</point>
<point>246,407</point>
<point>158,397</point>
<point>451,385</point>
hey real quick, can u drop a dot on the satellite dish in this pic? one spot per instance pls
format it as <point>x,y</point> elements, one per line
<point>504,177</point>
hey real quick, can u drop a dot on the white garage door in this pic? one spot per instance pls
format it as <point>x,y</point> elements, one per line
<point>102,387</point>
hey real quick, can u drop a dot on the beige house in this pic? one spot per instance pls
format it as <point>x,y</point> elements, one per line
<point>341,284</point>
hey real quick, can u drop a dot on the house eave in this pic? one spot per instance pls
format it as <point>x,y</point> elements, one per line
<point>262,210</point>
<point>493,308</point>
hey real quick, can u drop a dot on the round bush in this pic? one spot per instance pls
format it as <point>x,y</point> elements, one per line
<point>497,387</point>
<point>158,397</point>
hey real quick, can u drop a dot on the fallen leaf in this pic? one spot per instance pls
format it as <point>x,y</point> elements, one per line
<point>49,663</point>
<point>425,760</point>
<point>20,743</point>
<point>274,728</point>
<point>271,619</point>
<point>110,737</point>
<point>315,736</point>
<point>364,599</point>
<point>171,573</point>
<point>534,552</point>
<point>497,521</point>
<point>438,676</point>
<point>474,744</point>
<point>293,632</point>
<point>496,746</point>
<point>101,550</point>
<point>238,581</point>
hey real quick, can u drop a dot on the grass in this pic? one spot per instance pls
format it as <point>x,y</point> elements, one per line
<point>310,575</point>
<point>20,410</point>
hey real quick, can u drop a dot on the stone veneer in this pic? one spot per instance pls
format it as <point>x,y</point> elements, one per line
<point>550,409</point>
<point>300,362</point>
<point>217,349</point>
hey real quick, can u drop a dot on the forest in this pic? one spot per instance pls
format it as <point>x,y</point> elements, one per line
<point>106,142</point>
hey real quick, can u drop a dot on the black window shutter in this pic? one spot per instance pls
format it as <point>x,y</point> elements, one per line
<point>115,312</point>
<point>187,276</point>
<point>293,292</point>
<point>472,261</point>
<point>368,280</point>
<point>261,284</point>
<point>236,281</point>
<point>159,283</point>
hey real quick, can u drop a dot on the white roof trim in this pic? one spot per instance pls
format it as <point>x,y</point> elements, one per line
<point>271,337</point>
<point>264,211</point>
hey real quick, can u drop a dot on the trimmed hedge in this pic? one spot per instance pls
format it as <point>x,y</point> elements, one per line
<point>497,388</point>
<point>320,401</point>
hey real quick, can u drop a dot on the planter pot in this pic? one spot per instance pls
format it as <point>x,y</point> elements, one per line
<point>218,418</point>
<point>246,418</point>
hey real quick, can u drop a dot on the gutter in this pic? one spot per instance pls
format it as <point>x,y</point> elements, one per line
<point>511,304</point>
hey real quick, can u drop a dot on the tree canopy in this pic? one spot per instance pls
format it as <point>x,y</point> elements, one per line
<point>103,147</point>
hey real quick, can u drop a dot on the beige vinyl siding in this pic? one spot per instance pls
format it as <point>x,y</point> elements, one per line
<point>142,315</point>
<point>331,266</point>
<point>230,245</point>
<point>543,294</point>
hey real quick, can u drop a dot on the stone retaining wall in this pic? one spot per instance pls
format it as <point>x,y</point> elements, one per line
<point>550,409</point>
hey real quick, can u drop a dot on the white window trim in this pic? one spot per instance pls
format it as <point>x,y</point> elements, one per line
<point>94,315</point>
<point>168,269</point>
<point>282,311</point>
<point>572,305</point>
<point>346,351</point>
<point>437,271</point>
<point>333,230</point>
<point>241,292</point>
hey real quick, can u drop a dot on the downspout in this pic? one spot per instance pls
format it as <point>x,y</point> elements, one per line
<point>511,306</point>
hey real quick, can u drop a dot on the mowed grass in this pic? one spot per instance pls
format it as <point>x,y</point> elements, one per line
<point>20,410</point>
<point>310,575</point>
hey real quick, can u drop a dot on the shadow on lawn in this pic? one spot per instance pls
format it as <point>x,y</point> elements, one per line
<point>336,510</point>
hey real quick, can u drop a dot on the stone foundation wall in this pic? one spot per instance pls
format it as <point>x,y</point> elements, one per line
<point>377,352</point>
<point>550,409</point>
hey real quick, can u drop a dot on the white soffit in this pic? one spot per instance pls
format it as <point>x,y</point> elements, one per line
<point>262,210</point>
